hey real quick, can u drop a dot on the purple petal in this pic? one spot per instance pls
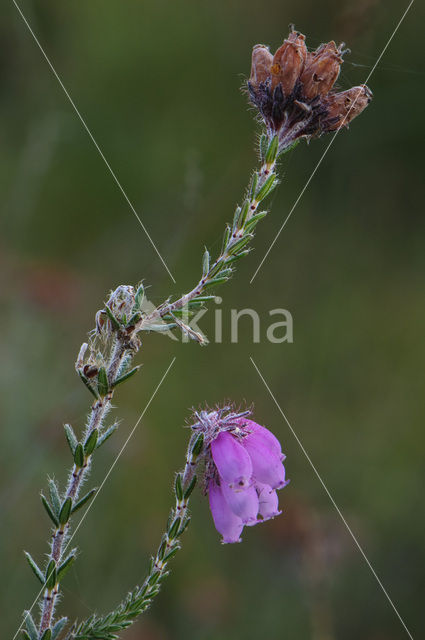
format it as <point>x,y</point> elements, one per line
<point>226,522</point>
<point>261,433</point>
<point>266,465</point>
<point>268,501</point>
<point>232,460</point>
<point>243,503</point>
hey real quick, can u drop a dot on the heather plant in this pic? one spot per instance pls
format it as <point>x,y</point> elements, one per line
<point>237,462</point>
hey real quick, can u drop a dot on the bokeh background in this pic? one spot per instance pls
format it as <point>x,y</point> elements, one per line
<point>158,84</point>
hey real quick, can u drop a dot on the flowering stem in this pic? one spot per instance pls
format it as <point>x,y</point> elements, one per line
<point>108,627</point>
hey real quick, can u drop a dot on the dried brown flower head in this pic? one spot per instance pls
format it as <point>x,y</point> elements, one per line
<point>293,90</point>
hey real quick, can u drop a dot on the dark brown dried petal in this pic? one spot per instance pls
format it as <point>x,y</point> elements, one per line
<point>288,62</point>
<point>343,107</point>
<point>321,70</point>
<point>261,62</point>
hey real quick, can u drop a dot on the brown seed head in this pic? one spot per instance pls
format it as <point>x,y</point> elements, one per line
<point>261,62</point>
<point>288,62</point>
<point>321,70</point>
<point>343,107</point>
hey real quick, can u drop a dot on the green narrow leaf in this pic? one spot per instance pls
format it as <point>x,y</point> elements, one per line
<point>236,218</point>
<point>112,318</point>
<point>239,244</point>
<point>263,145</point>
<point>88,385</point>
<point>126,376</point>
<point>197,446</point>
<point>65,567</point>
<point>178,487</point>
<point>171,553</point>
<point>107,434</point>
<point>70,437</point>
<point>238,256</point>
<point>190,488</point>
<point>184,527</point>
<point>79,455</point>
<point>243,214</point>
<point>267,187</point>
<point>30,625</point>
<point>138,298</point>
<point>26,635</point>
<point>253,187</point>
<point>47,635</point>
<point>252,222</point>
<point>172,533</point>
<point>59,626</point>
<point>271,153</point>
<point>50,577</point>
<point>49,510</point>
<point>226,239</point>
<point>54,496</point>
<point>205,263</point>
<point>214,283</point>
<point>65,511</point>
<point>102,382</point>
<point>91,442</point>
<point>83,500</point>
<point>35,568</point>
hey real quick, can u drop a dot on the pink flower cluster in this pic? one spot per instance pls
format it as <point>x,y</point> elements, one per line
<point>245,471</point>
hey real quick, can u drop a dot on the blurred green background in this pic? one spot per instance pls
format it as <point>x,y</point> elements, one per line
<point>158,84</point>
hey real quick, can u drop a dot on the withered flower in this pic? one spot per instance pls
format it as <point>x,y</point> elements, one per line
<point>294,90</point>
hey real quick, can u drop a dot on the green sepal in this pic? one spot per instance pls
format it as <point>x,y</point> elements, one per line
<point>190,488</point>
<point>138,298</point>
<point>107,434</point>
<point>54,496</point>
<point>83,500</point>
<point>49,510</point>
<point>50,577</point>
<point>64,567</point>
<point>47,635</point>
<point>30,625</point>
<point>70,437</point>
<point>88,385</point>
<point>34,567</point>
<point>271,153</point>
<point>253,187</point>
<point>172,533</point>
<point>112,318</point>
<point>239,244</point>
<point>267,187</point>
<point>65,511</point>
<point>59,626</point>
<point>126,376</point>
<point>178,487</point>
<point>79,455</point>
<point>91,442</point>
<point>214,282</point>
<point>252,222</point>
<point>205,262</point>
<point>197,445</point>
<point>102,382</point>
